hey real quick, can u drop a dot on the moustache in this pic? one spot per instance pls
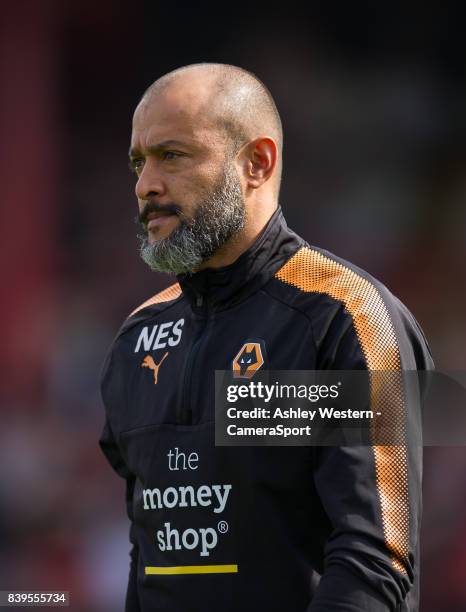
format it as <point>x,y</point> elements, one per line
<point>152,207</point>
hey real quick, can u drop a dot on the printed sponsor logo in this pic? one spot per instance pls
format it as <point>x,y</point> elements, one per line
<point>202,538</point>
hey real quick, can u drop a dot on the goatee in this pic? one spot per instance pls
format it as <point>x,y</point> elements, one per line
<point>217,219</point>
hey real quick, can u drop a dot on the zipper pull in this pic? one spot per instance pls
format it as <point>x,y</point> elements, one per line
<point>199,300</point>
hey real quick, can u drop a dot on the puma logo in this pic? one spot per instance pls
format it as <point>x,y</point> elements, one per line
<point>150,363</point>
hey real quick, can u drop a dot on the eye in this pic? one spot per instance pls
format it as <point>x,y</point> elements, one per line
<point>136,164</point>
<point>170,155</point>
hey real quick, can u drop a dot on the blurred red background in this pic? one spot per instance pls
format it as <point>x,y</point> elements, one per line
<point>373,102</point>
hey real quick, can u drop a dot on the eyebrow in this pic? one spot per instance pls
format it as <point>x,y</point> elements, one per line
<point>133,152</point>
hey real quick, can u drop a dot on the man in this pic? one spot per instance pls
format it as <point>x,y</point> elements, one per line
<point>251,528</point>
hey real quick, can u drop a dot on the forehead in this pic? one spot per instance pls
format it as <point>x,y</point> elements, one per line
<point>174,114</point>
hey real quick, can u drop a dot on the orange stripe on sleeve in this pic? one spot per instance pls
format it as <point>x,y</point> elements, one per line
<point>312,271</point>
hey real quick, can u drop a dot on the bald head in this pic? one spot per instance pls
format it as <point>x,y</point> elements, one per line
<point>231,99</point>
<point>206,148</point>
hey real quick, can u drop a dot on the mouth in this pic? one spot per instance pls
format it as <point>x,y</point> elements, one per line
<point>158,219</point>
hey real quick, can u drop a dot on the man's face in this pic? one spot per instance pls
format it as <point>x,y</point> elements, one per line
<point>189,193</point>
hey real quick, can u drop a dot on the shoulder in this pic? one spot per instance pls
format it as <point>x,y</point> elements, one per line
<point>314,270</point>
<point>316,273</point>
<point>151,307</point>
<point>166,296</point>
<point>324,285</point>
<point>118,349</point>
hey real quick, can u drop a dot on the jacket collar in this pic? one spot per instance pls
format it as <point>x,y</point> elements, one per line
<point>219,288</point>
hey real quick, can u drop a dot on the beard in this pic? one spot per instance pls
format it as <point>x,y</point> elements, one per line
<point>217,218</point>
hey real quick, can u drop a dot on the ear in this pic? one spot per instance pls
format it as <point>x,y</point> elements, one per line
<point>260,160</point>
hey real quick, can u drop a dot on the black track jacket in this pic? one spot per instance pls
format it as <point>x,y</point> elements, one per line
<point>228,529</point>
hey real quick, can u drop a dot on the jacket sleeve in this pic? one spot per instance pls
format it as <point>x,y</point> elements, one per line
<point>111,392</point>
<point>372,494</point>
<point>111,452</point>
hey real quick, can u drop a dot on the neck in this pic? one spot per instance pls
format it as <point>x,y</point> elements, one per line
<point>218,288</point>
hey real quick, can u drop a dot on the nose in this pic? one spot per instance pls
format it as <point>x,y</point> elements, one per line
<point>149,183</point>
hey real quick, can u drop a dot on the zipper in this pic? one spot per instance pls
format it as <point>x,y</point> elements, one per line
<point>185,413</point>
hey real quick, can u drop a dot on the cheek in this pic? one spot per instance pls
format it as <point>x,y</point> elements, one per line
<point>194,188</point>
